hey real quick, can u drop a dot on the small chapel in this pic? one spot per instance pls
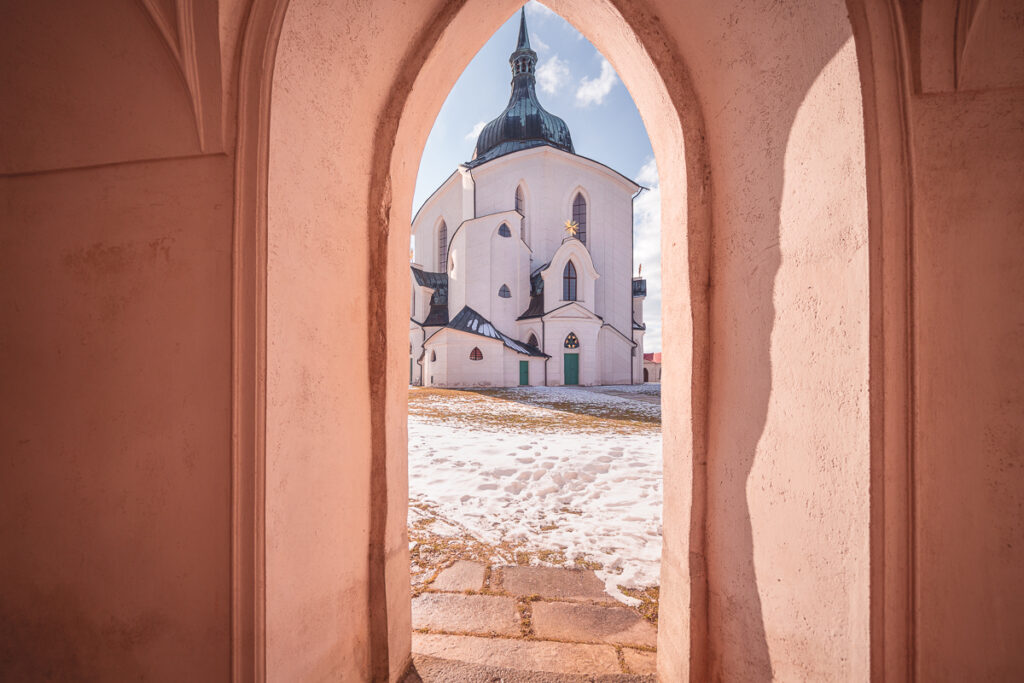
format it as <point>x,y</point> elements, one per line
<point>522,269</point>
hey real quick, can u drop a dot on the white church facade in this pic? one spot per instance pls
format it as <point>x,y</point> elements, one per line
<point>523,260</point>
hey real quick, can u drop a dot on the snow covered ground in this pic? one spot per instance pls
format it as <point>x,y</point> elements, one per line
<point>566,474</point>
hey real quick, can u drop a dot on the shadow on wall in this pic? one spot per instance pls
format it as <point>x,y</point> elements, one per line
<point>749,302</point>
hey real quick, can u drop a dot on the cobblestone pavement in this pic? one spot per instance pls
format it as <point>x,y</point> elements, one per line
<point>526,624</point>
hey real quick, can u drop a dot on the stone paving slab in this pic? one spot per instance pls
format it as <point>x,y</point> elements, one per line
<point>482,614</point>
<point>461,576</point>
<point>427,669</point>
<point>554,582</point>
<point>594,623</point>
<point>523,655</point>
<point>640,662</point>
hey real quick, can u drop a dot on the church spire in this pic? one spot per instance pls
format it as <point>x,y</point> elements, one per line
<point>524,37</point>
<point>524,123</point>
<point>523,60</point>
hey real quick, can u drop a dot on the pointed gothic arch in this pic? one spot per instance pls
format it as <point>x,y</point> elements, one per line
<point>663,59</point>
<point>519,201</point>
<point>579,216</point>
<point>569,278</point>
<point>442,246</point>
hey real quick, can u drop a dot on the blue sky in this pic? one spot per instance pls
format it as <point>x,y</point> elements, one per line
<point>575,82</point>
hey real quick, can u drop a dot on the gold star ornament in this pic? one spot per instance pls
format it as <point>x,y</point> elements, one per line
<point>572,227</point>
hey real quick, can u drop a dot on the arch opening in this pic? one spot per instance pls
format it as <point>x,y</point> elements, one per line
<point>647,63</point>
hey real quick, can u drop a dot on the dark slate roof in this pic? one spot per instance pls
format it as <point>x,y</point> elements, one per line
<point>470,321</point>
<point>436,316</point>
<point>435,281</point>
<point>535,309</point>
<point>639,326</point>
<point>639,287</point>
<point>524,123</point>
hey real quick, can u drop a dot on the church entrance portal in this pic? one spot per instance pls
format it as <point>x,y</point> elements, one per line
<point>571,368</point>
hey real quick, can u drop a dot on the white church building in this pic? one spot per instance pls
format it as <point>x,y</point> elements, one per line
<point>523,260</point>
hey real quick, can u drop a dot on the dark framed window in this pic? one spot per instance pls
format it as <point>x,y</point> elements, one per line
<point>521,208</point>
<point>433,356</point>
<point>569,282</point>
<point>572,341</point>
<point>579,216</point>
<point>504,292</point>
<point>442,247</point>
<point>476,354</point>
<point>532,341</point>
<point>504,230</point>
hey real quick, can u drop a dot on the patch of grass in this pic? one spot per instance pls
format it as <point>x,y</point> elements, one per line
<point>551,556</point>
<point>584,562</point>
<point>499,410</point>
<point>648,597</point>
<point>525,618</point>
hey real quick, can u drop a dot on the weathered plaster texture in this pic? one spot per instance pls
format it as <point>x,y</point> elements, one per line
<point>204,295</point>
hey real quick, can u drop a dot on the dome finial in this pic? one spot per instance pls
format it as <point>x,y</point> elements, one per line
<point>524,36</point>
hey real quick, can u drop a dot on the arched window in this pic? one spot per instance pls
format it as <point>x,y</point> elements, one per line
<point>504,292</point>
<point>532,341</point>
<point>521,208</point>
<point>476,354</point>
<point>579,216</point>
<point>442,248</point>
<point>572,341</point>
<point>569,282</point>
<point>433,356</point>
<point>504,231</point>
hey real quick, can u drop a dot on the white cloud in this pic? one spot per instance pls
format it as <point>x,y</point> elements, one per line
<point>538,44</point>
<point>535,10</point>
<point>594,90</point>
<point>647,249</point>
<point>475,133</point>
<point>553,75</point>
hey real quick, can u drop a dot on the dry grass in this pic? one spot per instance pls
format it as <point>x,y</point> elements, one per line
<point>648,598</point>
<point>500,410</point>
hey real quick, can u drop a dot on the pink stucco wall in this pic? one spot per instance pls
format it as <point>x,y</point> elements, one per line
<point>159,520</point>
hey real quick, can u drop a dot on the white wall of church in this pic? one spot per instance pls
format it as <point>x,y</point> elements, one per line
<point>481,261</point>
<point>589,351</point>
<point>551,179</point>
<point>615,357</point>
<point>453,367</point>
<point>446,203</point>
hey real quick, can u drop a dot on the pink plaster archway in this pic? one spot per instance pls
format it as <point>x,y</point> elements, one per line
<point>672,92</point>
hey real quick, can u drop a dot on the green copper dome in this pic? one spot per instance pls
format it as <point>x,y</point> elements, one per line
<point>524,123</point>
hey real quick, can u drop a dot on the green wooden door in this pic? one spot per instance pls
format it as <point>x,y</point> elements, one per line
<point>524,373</point>
<point>571,368</point>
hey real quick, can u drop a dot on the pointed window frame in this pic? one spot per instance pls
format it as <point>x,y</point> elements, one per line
<point>442,247</point>
<point>571,341</point>
<point>569,281</point>
<point>579,216</point>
